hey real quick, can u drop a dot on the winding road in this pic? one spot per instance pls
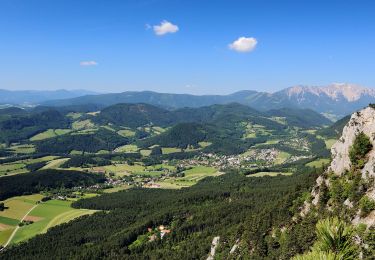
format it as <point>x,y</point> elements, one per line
<point>15,230</point>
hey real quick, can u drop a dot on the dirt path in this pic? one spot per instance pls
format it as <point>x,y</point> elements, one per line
<point>15,231</point>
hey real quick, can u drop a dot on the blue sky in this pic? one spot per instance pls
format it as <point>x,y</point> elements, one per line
<point>112,46</point>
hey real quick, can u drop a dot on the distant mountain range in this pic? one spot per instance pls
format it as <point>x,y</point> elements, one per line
<point>334,101</point>
<point>32,97</point>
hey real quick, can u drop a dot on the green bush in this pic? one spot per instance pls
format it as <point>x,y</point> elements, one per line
<point>361,146</point>
<point>334,241</point>
<point>366,205</point>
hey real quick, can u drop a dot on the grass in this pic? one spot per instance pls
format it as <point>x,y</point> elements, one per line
<point>136,169</point>
<point>282,157</point>
<point>126,133</point>
<point>145,152</point>
<point>74,115</point>
<point>93,113</point>
<point>75,152</point>
<point>330,143</point>
<point>122,169</point>
<point>55,163</point>
<point>168,150</point>
<point>41,159</point>
<point>318,163</point>
<point>149,173</point>
<point>50,213</point>
<point>83,124</point>
<point>23,149</point>
<point>5,234</point>
<point>20,166</point>
<point>50,133</point>
<point>129,148</point>
<point>18,206</point>
<point>272,174</point>
<point>158,167</point>
<point>204,144</point>
<point>8,221</point>
<point>116,189</point>
<point>280,120</point>
<point>268,142</point>
<point>192,176</point>
<point>109,128</point>
<point>9,168</point>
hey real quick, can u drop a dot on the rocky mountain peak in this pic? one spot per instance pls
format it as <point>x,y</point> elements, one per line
<point>335,91</point>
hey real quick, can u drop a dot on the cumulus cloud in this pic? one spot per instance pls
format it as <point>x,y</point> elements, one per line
<point>88,63</point>
<point>244,44</point>
<point>165,27</point>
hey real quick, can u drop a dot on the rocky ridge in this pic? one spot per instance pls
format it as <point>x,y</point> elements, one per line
<point>341,169</point>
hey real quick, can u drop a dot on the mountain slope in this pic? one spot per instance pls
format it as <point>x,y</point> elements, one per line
<point>346,190</point>
<point>350,177</point>
<point>337,100</point>
<point>137,115</point>
<point>300,117</point>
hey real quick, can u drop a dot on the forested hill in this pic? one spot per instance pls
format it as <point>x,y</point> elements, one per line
<point>300,117</point>
<point>135,115</point>
<point>241,211</point>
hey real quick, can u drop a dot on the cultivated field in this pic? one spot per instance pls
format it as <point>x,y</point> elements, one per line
<point>272,174</point>
<point>44,215</point>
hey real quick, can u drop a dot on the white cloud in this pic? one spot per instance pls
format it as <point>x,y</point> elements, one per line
<point>244,44</point>
<point>165,27</point>
<point>88,63</point>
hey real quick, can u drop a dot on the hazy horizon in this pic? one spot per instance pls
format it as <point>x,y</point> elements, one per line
<point>176,92</point>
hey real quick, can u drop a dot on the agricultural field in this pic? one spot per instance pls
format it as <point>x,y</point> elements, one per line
<point>145,152</point>
<point>254,130</point>
<point>84,124</point>
<point>56,163</point>
<point>50,133</point>
<point>330,143</point>
<point>128,148</point>
<point>121,170</point>
<point>12,168</point>
<point>318,163</point>
<point>168,150</point>
<point>126,133</point>
<point>204,144</point>
<point>18,167</point>
<point>192,176</point>
<point>117,188</point>
<point>43,215</point>
<point>23,149</point>
<point>272,174</point>
<point>74,115</point>
<point>282,157</point>
<point>47,215</point>
<point>268,142</point>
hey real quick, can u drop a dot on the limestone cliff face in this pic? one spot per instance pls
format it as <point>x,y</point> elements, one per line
<point>361,121</point>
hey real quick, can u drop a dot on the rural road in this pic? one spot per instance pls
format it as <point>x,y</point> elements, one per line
<point>15,231</point>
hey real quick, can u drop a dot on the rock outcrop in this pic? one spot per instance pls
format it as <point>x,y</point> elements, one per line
<point>361,121</point>
<point>341,166</point>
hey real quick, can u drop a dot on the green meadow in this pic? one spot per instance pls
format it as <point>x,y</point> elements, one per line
<point>45,215</point>
<point>50,133</point>
<point>272,174</point>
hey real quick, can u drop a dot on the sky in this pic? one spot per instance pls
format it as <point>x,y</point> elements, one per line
<point>190,46</point>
